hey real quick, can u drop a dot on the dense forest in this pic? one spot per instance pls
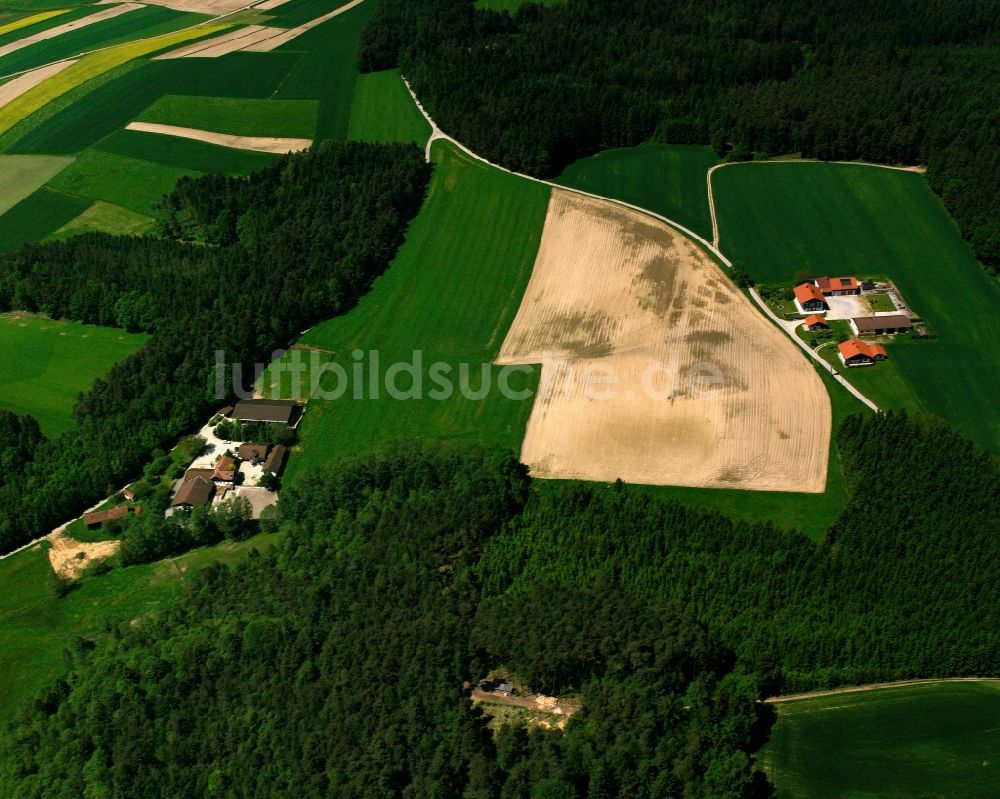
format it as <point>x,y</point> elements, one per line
<point>892,81</point>
<point>340,664</point>
<point>336,667</point>
<point>243,266</point>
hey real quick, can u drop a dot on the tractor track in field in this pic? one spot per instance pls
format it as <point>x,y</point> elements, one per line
<point>711,246</point>
<point>875,686</point>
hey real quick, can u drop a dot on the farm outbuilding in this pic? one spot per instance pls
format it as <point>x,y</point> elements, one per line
<point>97,518</point>
<point>880,325</point>
<point>194,493</point>
<point>267,410</point>
<point>816,322</point>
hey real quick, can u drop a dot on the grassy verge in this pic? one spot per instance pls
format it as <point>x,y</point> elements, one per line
<point>383,111</point>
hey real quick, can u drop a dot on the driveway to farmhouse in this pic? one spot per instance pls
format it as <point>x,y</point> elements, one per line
<point>847,306</point>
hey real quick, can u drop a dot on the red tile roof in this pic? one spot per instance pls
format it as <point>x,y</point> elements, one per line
<point>225,468</point>
<point>807,291</point>
<point>826,284</point>
<point>854,347</point>
<point>815,319</point>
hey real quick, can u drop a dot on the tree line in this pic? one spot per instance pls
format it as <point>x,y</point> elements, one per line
<point>890,81</point>
<point>242,266</point>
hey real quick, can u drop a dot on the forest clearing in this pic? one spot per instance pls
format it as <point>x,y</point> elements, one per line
<point>696,389</point>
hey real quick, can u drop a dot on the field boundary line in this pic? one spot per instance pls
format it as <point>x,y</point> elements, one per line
<point>438,134</point>
<point>875,686</point>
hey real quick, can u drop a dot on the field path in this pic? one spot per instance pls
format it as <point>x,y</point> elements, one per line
<point>875,686</point>
<point>711,246</point>
<point>260,144</point>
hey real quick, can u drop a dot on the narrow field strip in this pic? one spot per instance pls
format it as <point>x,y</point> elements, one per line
<point>89,67</point>
<point>286,36</point>
<point>59,30</point>
<point>213,7</point>
<point>13,89</point>
<point>21,175</point>
<point>260,144</point>
<point>26,22</point>
<point>221,45</point>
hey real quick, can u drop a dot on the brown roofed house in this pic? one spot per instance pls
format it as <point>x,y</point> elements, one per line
<point>254,453</point>
<point>225,469</point>
<point>128,493</point>
<point>275,460</point>
<point>97,518</point>
<point>194,493</point>
<point>191,474</point>
<point>267,410</point>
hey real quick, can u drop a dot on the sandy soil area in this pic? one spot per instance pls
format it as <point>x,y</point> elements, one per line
<point>51,33</point>
<point>70,557</point>
<point>655,367</point>
<point>261,144</point>
<point>201,6</point>
<point>15,88</point>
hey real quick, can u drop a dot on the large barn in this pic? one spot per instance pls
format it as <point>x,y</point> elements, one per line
<point>880,325</point>
<point>838,286</point>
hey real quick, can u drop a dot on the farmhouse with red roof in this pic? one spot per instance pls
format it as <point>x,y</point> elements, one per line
<point>855,352</point>
<point>816,322</point>
<point>809,299</point>
<point>837,286</point>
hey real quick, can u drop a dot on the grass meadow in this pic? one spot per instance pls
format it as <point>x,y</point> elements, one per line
<point>937,740</point>
<point>106,218</point>
<point>779,218</point>
<point>47,363</point>
<point>383,111</point>
<point>452,292</point>
<point>668,179</point>
<point>37,216</point>
<point>21,175</point>
<point>238,116</point>
<point>36,627</point>
<point>186,154</point>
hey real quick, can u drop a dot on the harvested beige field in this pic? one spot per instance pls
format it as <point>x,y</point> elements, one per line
<point>19,85</point>
<point>214,7</point>
<point>260,144</point>
<point>59,30</point>
<point>285,36</point>
<point>655,367</point>
<point>70,557</point>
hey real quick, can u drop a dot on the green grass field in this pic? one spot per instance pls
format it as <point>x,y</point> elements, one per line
<point>668,179</point>
<point>129,182</point>
<point>106,218</point>
<point>46,364</point>
<point>239,116</point>
<point>327,71</point>
<point>36,627</point>
<point>451,292</point>
<point>883,382</point>
<point>383,111</point>
<point>940,740</point>
<point>22,175</point>
<point>37,216</point>
<point>844,219</point>
<point>185,154</point>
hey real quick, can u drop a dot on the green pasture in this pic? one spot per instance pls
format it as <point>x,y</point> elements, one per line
<point>938,740</point>
<point>238,116</point>
<point>327,70</point>
<point>186,154</point>
<point>36,627</point>
<point>512,5</point>
<point>451,293</point>
<point>668,179</point>
<point>383,111</point>
<point>22,175</point>
<point>106,218</point>
<point>47,363</point>
<point>129,182</point>
<point>778,218</point>
<point>37,216</point>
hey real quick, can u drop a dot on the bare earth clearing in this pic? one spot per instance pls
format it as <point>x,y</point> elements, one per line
<point>65,555</point>
<point>261,144</point>
<point>655,368</point>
